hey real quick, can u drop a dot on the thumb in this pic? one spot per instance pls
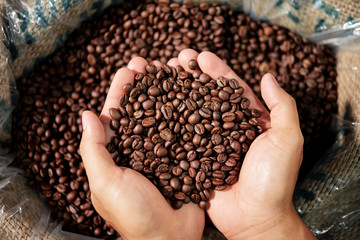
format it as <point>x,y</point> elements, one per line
<point>283,112</point>
<point>97,160</point>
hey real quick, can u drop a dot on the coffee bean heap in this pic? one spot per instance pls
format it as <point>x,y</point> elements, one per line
<point>185,132</point>
<point>47,122</point>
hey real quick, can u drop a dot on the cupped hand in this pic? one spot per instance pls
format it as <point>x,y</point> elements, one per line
<point>122,196</point>
<point>259,205</point>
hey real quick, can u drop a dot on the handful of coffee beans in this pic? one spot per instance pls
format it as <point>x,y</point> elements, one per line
<point>186,132</point>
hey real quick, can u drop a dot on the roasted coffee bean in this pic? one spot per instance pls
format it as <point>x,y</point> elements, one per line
<point>115,114</point>
<point>167,135</point>
<point>199,129</point>
<point>205,112</point>
<point>204,78</point>
<point>194,118</point>
<point>149,122</point>
<point>166,112</point>
<point>231,179</point>
<point>200,176</point>
<point>203,205</point>
<point>179,195</point>
<point>250,134</point>
<point>193,64</point>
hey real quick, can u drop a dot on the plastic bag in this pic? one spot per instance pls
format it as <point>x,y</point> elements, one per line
<point>328,200</point>
<point>31,30</point>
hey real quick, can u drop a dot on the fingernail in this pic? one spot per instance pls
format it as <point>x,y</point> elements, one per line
<point>84,121</point>
<point>273,79</point>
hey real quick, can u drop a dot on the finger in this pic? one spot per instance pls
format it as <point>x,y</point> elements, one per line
<point>96,158</point>
<point>122,77</point>
<point>173,62</point>
<point>215,67</point>
<point>283,111</point>
<point>158,64</point>
<point>137,64</point>
<point>185,56</point>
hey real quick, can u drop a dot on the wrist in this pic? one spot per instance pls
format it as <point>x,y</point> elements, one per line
<point>284,226</point>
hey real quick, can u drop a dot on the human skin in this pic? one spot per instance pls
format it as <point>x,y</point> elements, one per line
<point>258,206</point>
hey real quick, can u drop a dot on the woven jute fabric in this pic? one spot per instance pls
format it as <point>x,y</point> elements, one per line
<point>26,214</point>
<point>55,28</point>
<point>307,17</point>
<point>348,69</point>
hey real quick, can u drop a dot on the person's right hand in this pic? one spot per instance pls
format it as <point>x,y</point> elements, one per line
<point>259,205</point>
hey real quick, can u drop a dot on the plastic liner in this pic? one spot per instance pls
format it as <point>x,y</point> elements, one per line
<point>32,29</point>
<point>328,200</point>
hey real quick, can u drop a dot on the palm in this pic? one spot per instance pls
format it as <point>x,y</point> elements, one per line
<point>258,194</point>
<point>135,196</point>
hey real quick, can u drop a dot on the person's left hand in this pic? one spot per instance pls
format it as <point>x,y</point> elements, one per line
<point>122,196</point>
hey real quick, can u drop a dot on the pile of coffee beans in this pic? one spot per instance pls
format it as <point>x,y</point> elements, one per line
<point>187,133</point>
<point>47,122</point>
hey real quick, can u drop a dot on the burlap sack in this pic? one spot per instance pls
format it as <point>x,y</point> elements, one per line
<point>25,216</point>
<point>328,199</point>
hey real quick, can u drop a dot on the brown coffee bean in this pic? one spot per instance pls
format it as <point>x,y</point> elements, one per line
<point>188,180</point>
<point>161,152</point>
<point>203,205</point>
<point>191,104</point>
<point>166,135</point>
<point>230,162</point>
<point>244,103</point>
<point>216,139</point>
<point>205,112</point>
<point>194,118</point>
<point>167,191</point>
<point>231,180</point>
<point>220,188</point>
<point>250,134</point>
<point>150,68</point>
<point>165,176</point>
<point>193,64</point>
<point>192,172</point>
<point>114,113</point>
<point>166,112</point>
<point>195,164</point>
<point>186,188</point>
<point>223,95</point>
<point>195,198</point>
<point>148,122</point>
<point>184,165</point>
<point>204,78</point>
<point>234,84</point>
<point>175,183</point>
<point>176,171</point>
<point>148,104</point>
<point>127,88</point>
<point>200,176</point>
<point>199,129</point>
<point>255,113</point>
<point>179,195</point>
<point>138,156</point>
<point>228,117</point>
